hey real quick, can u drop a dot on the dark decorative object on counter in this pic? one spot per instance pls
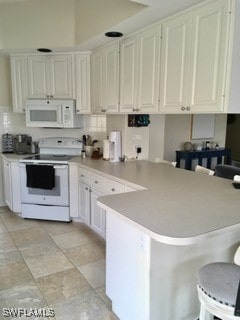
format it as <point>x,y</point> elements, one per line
<point>7,143</point>
<point>138,120</point>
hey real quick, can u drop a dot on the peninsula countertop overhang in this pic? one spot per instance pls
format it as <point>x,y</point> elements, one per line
<point>178,207</point>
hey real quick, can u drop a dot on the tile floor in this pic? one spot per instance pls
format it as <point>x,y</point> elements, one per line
<point>56,266</point>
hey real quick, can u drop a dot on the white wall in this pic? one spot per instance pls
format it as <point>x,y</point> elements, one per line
<point>178,131</point>
<point>38,23</point>
<point>234,94</point>
<point>156,137</point>
<point>5,79</point>
<point>131,136</point>
<point>59,23</point>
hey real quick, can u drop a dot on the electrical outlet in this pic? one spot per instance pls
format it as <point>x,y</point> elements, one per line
<point>135,146</point>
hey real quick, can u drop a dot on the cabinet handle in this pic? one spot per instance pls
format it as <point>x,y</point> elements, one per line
<point>183,108</point>
<point>96,182</point>
<point>86,188</point>
<point>113,189</point>
<point>82,175</point>
<point>51,96</point>
<point>47,95</point>
<point>136,109</point>
<point>103,110</point>
<point>188,108</point>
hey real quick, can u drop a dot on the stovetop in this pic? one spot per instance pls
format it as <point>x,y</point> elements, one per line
<point>56,150</point>
<point>48,158</point>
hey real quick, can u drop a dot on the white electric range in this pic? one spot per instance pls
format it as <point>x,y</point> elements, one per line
<point>44,179</point>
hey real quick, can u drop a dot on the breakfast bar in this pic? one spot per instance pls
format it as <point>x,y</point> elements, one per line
<point>158,238</point>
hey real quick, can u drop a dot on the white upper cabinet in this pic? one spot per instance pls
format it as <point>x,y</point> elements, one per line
<point>105,75</point>
<point>19,81</point>
<point>148,69</point>
<point>175,63</point>
<point>82,83</point>
<point>194,60</point>
<point>128,75</point>
<point>140,71</point>
<point>50,76</point>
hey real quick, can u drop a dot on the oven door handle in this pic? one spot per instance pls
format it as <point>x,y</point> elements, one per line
<point>56,166</point>
<point>60,166</point>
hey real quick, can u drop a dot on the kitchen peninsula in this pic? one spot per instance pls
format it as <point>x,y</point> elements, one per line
<point>159,237</point>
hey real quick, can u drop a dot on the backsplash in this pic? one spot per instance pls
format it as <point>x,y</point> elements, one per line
<point>14,123</point>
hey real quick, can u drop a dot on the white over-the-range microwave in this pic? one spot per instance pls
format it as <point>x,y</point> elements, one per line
<point>52,114</point>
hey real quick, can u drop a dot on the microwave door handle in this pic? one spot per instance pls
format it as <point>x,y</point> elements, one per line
<point>60,115</point>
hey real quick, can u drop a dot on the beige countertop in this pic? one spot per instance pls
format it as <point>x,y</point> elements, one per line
<point>178,207</point>
<point>14,156</point>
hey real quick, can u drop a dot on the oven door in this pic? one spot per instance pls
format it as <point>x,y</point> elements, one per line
<point>58,196</point>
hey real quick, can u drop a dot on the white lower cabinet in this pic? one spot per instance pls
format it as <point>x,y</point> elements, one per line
<point>98,215</point>
<point>7,183</point>
<point>11,185</point>
<point>84,203</point>
<point>89,212</point>
<point>90,186</point>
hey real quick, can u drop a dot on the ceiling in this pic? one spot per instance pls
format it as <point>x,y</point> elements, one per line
<point>153,11</point>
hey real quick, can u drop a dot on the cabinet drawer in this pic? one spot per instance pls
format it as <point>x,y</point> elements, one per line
<point>97,182</point>
<point>84,175</point>
<point>113,187</point>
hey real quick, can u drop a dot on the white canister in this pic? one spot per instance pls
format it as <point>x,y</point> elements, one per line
<point>89,150</point>
<point>106,149</point>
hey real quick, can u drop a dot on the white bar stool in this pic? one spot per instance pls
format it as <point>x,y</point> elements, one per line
<point>219,290</point>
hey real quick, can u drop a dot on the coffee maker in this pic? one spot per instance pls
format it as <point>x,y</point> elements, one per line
<point>115,146</point>
<point>22,144</point>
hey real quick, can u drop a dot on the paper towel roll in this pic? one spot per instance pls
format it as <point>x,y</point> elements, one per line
<point>106,149</point>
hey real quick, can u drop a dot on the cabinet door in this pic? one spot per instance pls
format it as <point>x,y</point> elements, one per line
<point>148,69</point>
<point>7,183</point>
<point>98,82</point>
<point>111,78</point>
<point>84,203</point>
<point>175,61</point>
<point>37,77</point>
<point>128,75</point>
<point>60,76</point>
<point>19,82</point>
<point>82,76</point>
<point>16,187</point>
<point>98,215</point>
<point>209,56</point>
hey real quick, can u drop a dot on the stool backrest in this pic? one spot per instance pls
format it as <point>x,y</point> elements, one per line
<point>226,171</point>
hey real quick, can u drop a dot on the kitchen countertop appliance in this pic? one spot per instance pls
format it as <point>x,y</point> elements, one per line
<point>7,143</point>
<point>22,144</point>
<point>115,146</point>
<point>44,179</point>
<point>52,114</point>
